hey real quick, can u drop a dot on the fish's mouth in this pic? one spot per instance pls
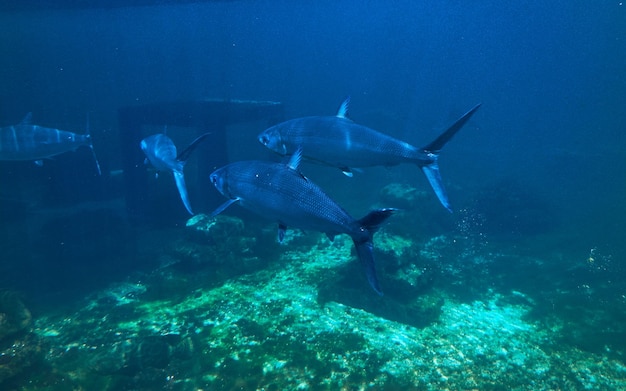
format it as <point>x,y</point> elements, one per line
<point>264,139</point>
<point>273,141</point>
<point>214,180</point>
<point>220,184</point>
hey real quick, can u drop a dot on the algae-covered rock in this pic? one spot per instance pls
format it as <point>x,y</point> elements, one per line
<point>14,316</point>
<point>17,355</point>
<point>203,228</point>
<point>222,244</point>
<point>154,352</point>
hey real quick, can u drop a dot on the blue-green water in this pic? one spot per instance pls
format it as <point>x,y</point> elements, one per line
<point>107,283</point>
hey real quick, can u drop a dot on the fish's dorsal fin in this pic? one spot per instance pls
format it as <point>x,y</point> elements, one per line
<point>343,109</point>
<point>295,159</point>
<point>28,119</point>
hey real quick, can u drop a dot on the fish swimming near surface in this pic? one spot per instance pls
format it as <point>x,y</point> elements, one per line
<point>160,151</point>
<point>25,141</point>
<point>280,192</point>
<point>339,142</point>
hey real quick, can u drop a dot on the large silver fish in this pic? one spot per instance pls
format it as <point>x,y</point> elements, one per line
<point>26,141</point>
<point>160,151</point>
<point>339,142</point>
<point>281,193</point>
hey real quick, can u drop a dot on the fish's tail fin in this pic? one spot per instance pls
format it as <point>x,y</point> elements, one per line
<point>432,150</point>
<point>90,140</point>
<point>365,246</point>
<point>95,158</point>
<point>179,177</point>
<point>184,154</point>
<point>433,175</point>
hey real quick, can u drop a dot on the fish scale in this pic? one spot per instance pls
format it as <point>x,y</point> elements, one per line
<point>329,139</point>
<point>287,195</point>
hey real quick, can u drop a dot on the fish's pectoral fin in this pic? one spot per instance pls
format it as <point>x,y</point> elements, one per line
<point>282,228</point>
<point>222,207</point>
<point>347,172</point>
<point>28,119</point>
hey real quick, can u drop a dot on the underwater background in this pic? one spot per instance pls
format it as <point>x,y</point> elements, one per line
<point>106,283</point>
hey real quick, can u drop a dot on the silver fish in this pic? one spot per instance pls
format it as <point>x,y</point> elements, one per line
<point>26,141</point>
<point>160,151</point>
<point>281,193</point>
<point>339,142</point>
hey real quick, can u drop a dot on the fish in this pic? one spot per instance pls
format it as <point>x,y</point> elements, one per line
<point>160,151</point>
<point>339,142</point>
<point>25,141</point>
<point>279,192</point>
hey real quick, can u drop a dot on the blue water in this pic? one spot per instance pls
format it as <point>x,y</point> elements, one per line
<point>537,178</point>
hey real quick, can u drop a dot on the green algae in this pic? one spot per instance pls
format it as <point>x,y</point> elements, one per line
<point>308,320</point>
